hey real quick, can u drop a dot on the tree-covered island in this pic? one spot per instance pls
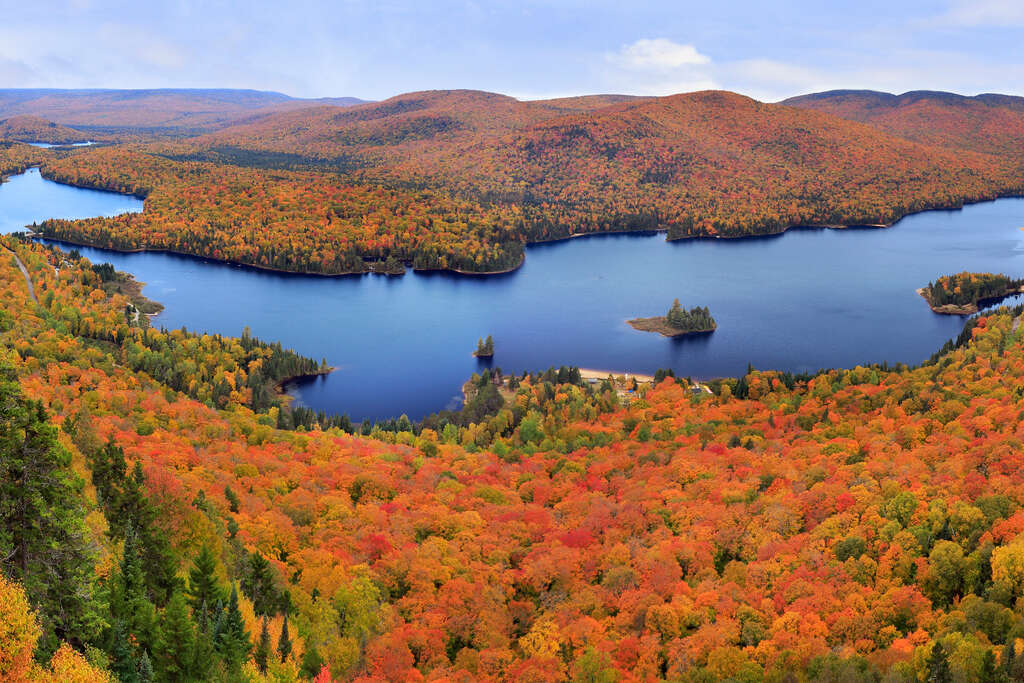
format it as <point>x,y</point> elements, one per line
<point>678,321</point>
<point>484,348</point>
<point>961,294</point>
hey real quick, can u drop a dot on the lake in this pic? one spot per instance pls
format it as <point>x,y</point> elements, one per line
<point>804,300</point>
<point>50,145</point>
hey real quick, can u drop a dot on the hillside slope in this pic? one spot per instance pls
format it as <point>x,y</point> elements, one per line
<point>26,128</point>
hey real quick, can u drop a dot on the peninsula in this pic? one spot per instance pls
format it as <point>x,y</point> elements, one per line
<point>964,293</point>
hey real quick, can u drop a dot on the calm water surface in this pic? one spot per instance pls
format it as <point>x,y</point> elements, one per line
<point>801,301</point>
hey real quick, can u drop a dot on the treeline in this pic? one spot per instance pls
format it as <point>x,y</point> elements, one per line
<point>486,416</point>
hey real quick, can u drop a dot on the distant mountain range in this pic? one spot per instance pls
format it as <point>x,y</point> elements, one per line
<point>181,110</point>
<point>989,123</point>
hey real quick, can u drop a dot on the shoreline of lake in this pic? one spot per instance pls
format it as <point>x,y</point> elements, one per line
<point>969,308</point>
<point>954,206</point>
<point>659,324</point>
<point>280,387</point>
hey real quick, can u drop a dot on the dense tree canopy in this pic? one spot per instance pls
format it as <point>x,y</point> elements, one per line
<point>836,525</point>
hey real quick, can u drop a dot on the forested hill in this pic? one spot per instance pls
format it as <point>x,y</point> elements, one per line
<point>707,163</point>
<point>26,128</point>
<point>989,123</point>
<point>861,524</point>
<point>182,110</point>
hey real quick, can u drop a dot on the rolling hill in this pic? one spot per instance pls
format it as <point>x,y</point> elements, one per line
<point>714,159</point>
<point>992,124</point>
<point>26,128</point>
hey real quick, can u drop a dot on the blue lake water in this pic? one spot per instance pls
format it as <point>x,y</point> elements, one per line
<point>808,299</point>
<point>50,145</point>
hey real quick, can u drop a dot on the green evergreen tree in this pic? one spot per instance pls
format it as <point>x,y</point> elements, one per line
<point>312,662</point>
<point>122,495</point>
<point>129,604</point>
<point>258,585</point>
<point>204,589</point>
<point>203,653</point>
<point>175,640</point>
<point>675,314</point>
<point>263,647</point>
<point>43,538</point>
<point>233,640</point>
<point>284,641</point>
<point>145,668</point>
<point>123,662</point>
<point>232,499</point>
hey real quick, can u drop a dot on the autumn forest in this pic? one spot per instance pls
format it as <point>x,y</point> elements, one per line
<point>169,514</point>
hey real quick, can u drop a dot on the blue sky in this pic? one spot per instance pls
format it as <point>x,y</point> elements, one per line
<point>525,48</point>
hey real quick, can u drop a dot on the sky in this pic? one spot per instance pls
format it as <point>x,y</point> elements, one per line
<point>373,49</point>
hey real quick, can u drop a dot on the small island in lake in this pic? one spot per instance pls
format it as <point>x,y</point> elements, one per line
<point>677,321</point>
<point>484,348</point>
<point>963,293</point>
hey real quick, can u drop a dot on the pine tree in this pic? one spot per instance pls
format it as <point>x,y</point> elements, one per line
<point>284,641</point>
<point>262,652</point>
<point>233,640</point>
<point>175,639</point>
<point>203,653</point>
<point>675,315</point>
<point>42,531</point>
<point>126,506</point>
<point>232,499</point>
<point>129,605</point>
<point>145,668</point>
<point>123,662</point>
<point>203,587</point>
<point>258,586</point>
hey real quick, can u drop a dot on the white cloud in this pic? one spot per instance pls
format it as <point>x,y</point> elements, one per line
<point>658,66</point>
<point>659,53</point>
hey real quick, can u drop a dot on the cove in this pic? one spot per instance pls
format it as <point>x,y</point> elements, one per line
<point>28,198</point>
<point>800,301</point>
